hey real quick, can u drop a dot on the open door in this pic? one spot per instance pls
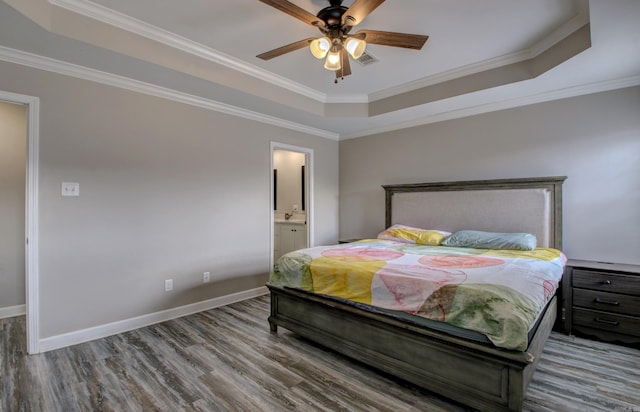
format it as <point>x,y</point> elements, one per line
<point>291,206</point>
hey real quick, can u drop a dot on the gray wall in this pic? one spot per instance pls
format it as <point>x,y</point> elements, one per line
<point>13,144</point>
<point>170,190</point>
<point>167,190</point>
<point>592,139</point>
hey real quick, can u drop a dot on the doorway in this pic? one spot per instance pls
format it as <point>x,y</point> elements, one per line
<point>13,161</point>
<point>291,199</point>
<point>30,217</point>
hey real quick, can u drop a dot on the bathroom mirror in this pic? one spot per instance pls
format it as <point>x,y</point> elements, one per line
<point>288,181</point>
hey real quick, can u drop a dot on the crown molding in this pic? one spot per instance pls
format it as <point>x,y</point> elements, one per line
<point>127,23</point>
<point>561,32</point>
<point>574,91</point>
<point>73,70</point>
<point>69,69</point>
<point>347,98</point>
<point>557,35</point>
<point>451,75</point>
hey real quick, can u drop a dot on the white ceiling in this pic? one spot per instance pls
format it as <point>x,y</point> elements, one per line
<point>462,32</point>
<point>208,49</point>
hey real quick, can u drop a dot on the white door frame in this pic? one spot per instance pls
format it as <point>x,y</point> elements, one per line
<point>308,189</point>
<point>31,217</point>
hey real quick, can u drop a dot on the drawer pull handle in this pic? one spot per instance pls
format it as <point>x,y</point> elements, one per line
<point>606,302</point>
<point>606,282</point>
<point>607,321</point>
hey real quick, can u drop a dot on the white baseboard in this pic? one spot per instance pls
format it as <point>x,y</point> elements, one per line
<point>11,311</point>
<point>97,332</point>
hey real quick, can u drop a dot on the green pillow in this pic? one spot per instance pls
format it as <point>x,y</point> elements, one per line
<point>490,240</point>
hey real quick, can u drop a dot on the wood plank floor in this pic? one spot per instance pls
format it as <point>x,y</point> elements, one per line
<point>226,359</point>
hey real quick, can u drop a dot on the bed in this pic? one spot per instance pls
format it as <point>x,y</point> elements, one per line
<point>464,365</point>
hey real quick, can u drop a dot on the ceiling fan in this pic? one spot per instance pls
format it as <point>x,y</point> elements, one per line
<point>335,22</point>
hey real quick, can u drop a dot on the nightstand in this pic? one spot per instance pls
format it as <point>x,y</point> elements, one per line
<point>348,240</point>
<point>602,300</point>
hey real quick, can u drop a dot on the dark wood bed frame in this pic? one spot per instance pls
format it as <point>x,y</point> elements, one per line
<point>472,373</point>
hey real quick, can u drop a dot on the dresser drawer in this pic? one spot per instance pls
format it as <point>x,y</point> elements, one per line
<point>622,324</point>
<point>616,283</point>
<point>605,301</point>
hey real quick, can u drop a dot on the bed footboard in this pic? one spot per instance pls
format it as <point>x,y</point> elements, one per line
<point>471,373</point>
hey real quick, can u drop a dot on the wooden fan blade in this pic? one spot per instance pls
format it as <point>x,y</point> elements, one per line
<point>345,66</point>
<point>285,49</point>
<point>295,11</point>
<point>387,38</point>
<point>358,11</point>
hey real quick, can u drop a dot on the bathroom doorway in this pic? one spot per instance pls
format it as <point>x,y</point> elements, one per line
<point>291,199</point>
<point>28,242</point>
<point>13,163</point>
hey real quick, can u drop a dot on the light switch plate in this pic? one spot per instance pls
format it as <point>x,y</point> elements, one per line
<point>70,189</point>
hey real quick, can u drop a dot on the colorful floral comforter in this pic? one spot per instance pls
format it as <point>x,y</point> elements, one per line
<point>499,293</point>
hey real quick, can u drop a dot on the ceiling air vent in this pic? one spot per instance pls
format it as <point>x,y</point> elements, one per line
<point>367,59</point>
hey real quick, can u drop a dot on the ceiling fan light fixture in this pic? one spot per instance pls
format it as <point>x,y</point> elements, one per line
<point>355,47</point>
<point>320,47</point>
<point>335,44</point>
<point>332,62</point>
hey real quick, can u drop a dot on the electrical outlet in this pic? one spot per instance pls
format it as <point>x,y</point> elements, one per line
<point>168,285</point>
<point>206,277</point>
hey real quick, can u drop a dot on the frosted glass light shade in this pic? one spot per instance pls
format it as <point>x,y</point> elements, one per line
<point>332,61</point>
<point>355,47</point>
<point>320,47</point>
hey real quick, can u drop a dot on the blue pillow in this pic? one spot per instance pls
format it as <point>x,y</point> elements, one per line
<point>490,240</point>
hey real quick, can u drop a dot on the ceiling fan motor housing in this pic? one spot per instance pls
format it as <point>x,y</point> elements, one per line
<point>332,15</point>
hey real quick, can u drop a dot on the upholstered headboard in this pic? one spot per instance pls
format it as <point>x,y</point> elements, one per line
<point>531,205</point>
